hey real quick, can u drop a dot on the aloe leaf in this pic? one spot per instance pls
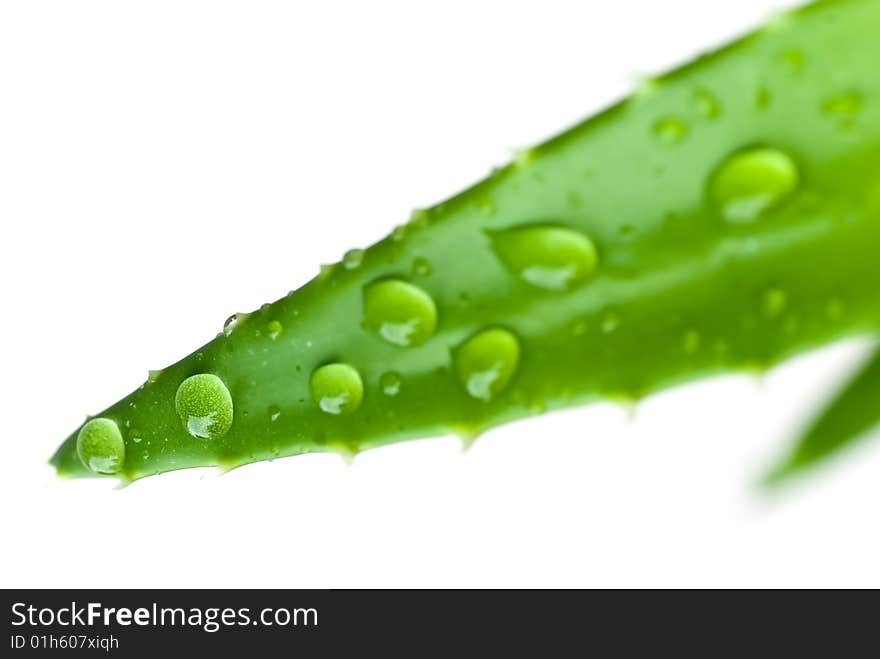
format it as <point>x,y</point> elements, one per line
<point>847,420</point>
<point>723,218</point>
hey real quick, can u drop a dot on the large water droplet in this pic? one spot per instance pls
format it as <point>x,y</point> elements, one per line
<point>390,383</point>
<point>486,362</point>
<point>399,312</point>
<point>750,183</point>
<point>670,130</point>
<point>204,406</point>
<point>337,389</point>
<point>549,257</point>
<point>100,446</point>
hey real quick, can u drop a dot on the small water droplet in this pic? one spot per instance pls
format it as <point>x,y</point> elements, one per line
<point>773,303</point>
<point>100,446</point>
<point>153,376</point>
<point>794,60</point>
<point>670,130</point>
<point>610,322</point>
<point>546,256</point>
<point>234,321</point>
<point>486,362</point>
<point>399,233</point>
<point>419,218</point>
<point>834,309</point>
<point>399,312</point>
<point>390,383</point>
<point>575,200</point>
<point>750,183</point>
<point>136,440</point>
<point>523,157</point>
<point>274,412</point>
<point>708,106</point>
<point>421,267</point>
<point>204,406</point>
<point>353,259</point>
<point>337,389</point>
<point>691,341</point>
<point>844,108</point>
<point>274,329</point>
<point>626,232</point>
<point>486,205</point>
<point>579,328</point>
<point>763,98</point>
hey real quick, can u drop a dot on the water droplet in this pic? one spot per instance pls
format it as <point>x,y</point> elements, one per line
<point>136,440</point>
<point>708,106</point>
<point>523,157</point>
<point>670,130</point>
<point>274,412</point>
<point>337,389</point>
<point>486,362</point>
<point>390,383</point>
<point>773,303</point>
<point>549,257</point>
<point>419,218</point>
<point>750,183</point>
<point>844,108</point>
<point>399,233</point>
<point>353,259</point>
<point>100,446</point>
<point>762,98</point>
<point>610,322</point>
<point>627,231</point>
<point>579,328</point>
<point>834,309</point>
<point>399,312</point>
<point>486,206</point>
<point>793,60</point>
<point>421,267</point>
<point>153,376</point>
<point>232,322</point>
<point>204,406</point>
<point>274,328</point>
<point>691,341</point>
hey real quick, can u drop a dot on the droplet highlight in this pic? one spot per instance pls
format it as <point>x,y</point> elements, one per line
<point>550,257</point>
<point>337,389</point>
<point>399,312</point>
<point>750,183</point>
<point>100,446</point>
<point>486,362</point>
<point>204,406</point>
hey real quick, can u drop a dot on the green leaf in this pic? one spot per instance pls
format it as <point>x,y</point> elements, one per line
<point>847,419</point>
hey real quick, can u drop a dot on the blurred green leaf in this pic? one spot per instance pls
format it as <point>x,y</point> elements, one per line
<point>848,419</point>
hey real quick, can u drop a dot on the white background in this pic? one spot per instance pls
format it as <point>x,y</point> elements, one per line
<point>164,164</point>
